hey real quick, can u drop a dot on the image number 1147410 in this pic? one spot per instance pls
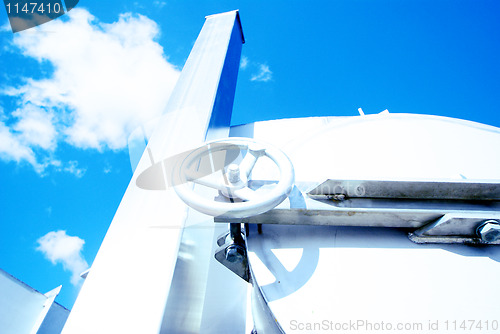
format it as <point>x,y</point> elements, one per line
<point>34,7</point>
<point>25,14</point>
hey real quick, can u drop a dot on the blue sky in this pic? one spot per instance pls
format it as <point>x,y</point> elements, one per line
<point>72,91</point>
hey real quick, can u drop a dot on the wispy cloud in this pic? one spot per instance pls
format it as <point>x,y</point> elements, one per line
<point>107,168</point>
<point>244,62</point>
<point>58,247</point>
<point>261,71</point>
<point>159,4</point>
<point>264,74</point>
<point>31,130</point>
<point>107,80</point>
<point>12,149</point>
<point>5,26</point>
<point>72,167</point>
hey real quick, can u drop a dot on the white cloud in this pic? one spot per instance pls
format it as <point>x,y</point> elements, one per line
<point>35,127</point>
<point>244,62</point>
<point>58,247</point>
<point>13,149</point>
<point>107,80</point>
<point>264,74</point>
<point>31,128</point>
<point>33,132</point>
<point>72,167</point>
<point>5,26</point>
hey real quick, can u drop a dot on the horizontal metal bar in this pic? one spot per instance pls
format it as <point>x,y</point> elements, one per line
<point>319,210</point>
<point>449,240</point>
<point>447,190</point>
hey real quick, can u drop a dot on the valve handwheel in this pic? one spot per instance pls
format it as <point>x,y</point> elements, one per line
<point>233,184</point>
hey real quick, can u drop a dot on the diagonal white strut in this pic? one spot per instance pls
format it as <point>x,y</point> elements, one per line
<point>127,288</point>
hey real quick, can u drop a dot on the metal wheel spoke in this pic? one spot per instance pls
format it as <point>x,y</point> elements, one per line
<point>245,194</point>
<point>254,152</point>
<point>247,164</point>
<point>205,180</point>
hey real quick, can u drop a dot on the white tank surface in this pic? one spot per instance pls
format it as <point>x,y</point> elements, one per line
<point>382,147</point>
<point>321,279</point>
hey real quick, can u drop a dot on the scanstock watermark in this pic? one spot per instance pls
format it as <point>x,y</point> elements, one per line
<point>25,14</point>
<point>450,326</point>
<point>355,326</point>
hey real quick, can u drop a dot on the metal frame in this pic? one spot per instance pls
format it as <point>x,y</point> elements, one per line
<point>434,211</point>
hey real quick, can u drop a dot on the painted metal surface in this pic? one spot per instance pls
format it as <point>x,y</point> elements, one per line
<point>25,310</point>
<point>318,278</point>
<point>132,282</point>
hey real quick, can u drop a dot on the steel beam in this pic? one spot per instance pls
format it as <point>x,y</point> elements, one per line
<point>482,190</point>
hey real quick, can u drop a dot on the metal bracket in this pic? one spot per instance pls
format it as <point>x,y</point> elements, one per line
<point>453,228</point>
<point>232,251</point>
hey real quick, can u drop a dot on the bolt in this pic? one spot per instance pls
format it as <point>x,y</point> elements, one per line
<point>360,190</point>
<point>338,197</point>
<point>489,231</point>
<point>235,253</point>
<point>233,173</point>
